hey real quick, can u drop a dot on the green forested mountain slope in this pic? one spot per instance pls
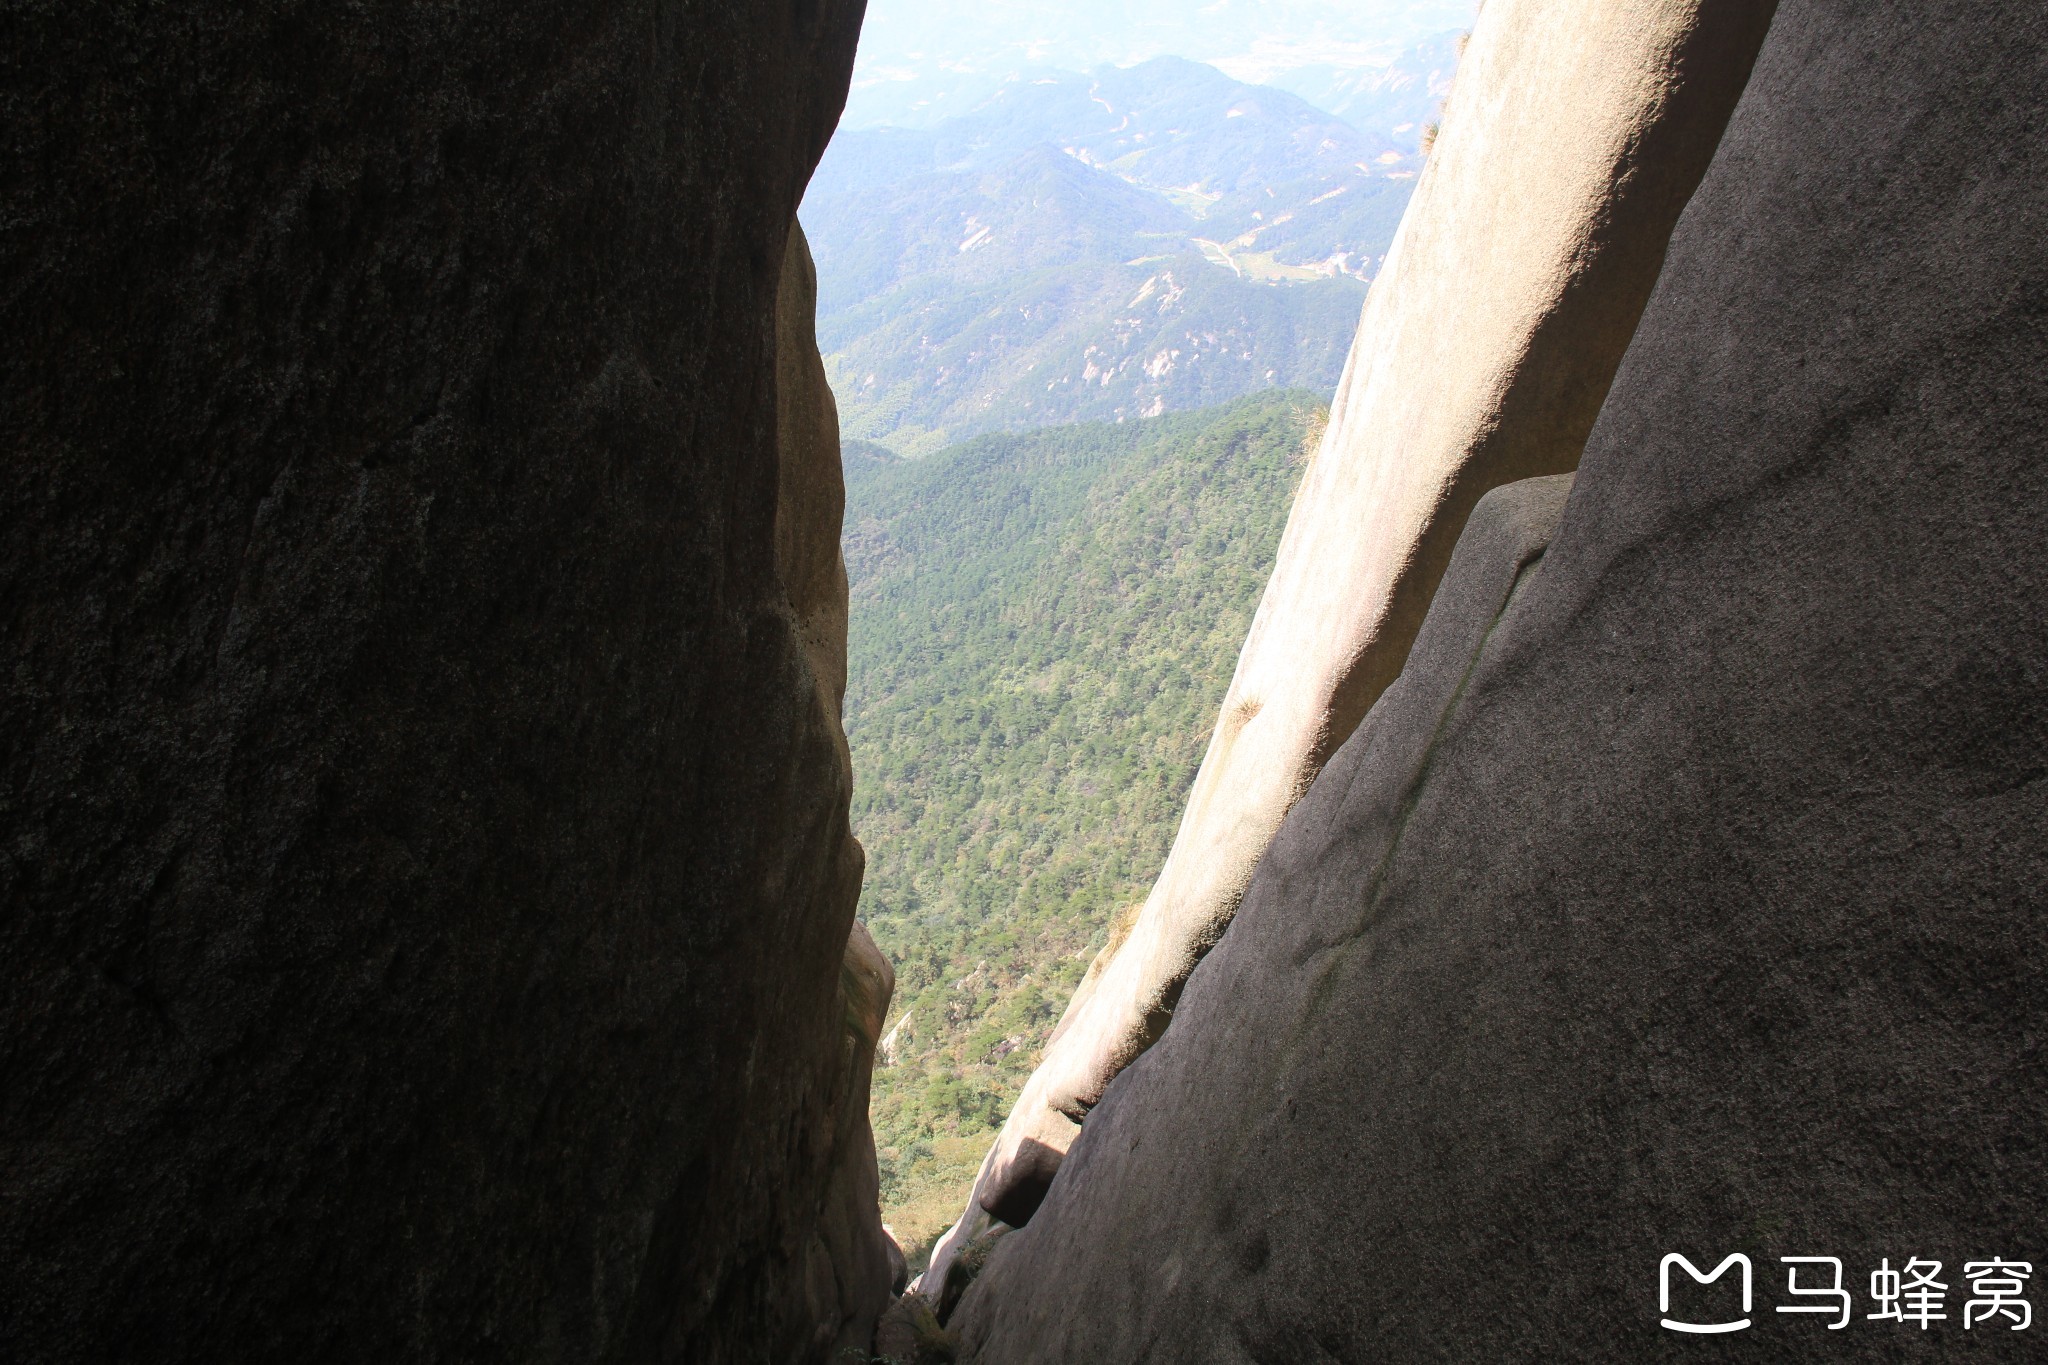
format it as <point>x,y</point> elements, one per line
<point>1043,625</point>
<point>1095,343</point>
<point>1076,247</point>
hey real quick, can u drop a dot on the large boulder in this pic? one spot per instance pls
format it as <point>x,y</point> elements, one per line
<point>1691,902</point>
<point>1574,136</point>
<point>426,870</point>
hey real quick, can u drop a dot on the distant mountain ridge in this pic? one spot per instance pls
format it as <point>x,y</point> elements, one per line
<point>925,60</point>
<point>1107,245</point>
<point>1124,118</point>
<point>1395,101</point>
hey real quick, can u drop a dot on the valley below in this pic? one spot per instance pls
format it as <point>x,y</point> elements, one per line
<point>1108,245</point>
<point>1082,328</point>
<point>1043,625</point>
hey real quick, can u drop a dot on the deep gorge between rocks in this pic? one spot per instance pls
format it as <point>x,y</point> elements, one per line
<point>431,903</point>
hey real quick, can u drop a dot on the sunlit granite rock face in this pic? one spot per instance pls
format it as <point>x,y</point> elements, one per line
<point>426,871</point>
<point>1571,142</point>
<point>1685,893</point>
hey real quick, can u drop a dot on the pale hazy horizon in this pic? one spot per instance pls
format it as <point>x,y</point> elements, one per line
<point>923,59</point>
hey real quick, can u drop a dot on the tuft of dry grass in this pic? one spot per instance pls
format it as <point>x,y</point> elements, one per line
<point>1312,438</point>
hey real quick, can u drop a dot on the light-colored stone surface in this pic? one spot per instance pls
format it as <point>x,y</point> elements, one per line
<point>1685,891</point>
<point>857,1264</point>
<point>1574,137</point>
<point>850,1261</point>
<point>810,492</point>
<point>972,1223</point>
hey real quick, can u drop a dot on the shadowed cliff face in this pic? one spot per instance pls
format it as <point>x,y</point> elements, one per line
<point>1684,892</point>
<point>1574,138</point>
<point>426,878</point>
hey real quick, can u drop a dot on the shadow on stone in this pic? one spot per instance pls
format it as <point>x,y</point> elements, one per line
<point>1027,1179</point>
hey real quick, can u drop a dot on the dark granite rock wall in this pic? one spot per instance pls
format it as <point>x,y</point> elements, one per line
<point>1692,900</point>
<point>424,873</point>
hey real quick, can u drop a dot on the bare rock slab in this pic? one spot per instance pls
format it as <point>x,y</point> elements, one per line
<point>425,884</point>
<point>1572,140</point>
<point>1700,909</point>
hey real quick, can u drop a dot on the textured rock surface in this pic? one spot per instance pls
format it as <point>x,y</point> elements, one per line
<point>1705,912</point>
<point>426,878</point>
<point>852,1267</point>
<point>1575,135</point>
<point>910,1334</point>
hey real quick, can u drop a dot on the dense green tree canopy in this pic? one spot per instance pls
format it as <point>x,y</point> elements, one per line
<point>1043,625</point>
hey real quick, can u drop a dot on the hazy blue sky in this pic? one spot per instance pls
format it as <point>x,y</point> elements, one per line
<point>915,52</point>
